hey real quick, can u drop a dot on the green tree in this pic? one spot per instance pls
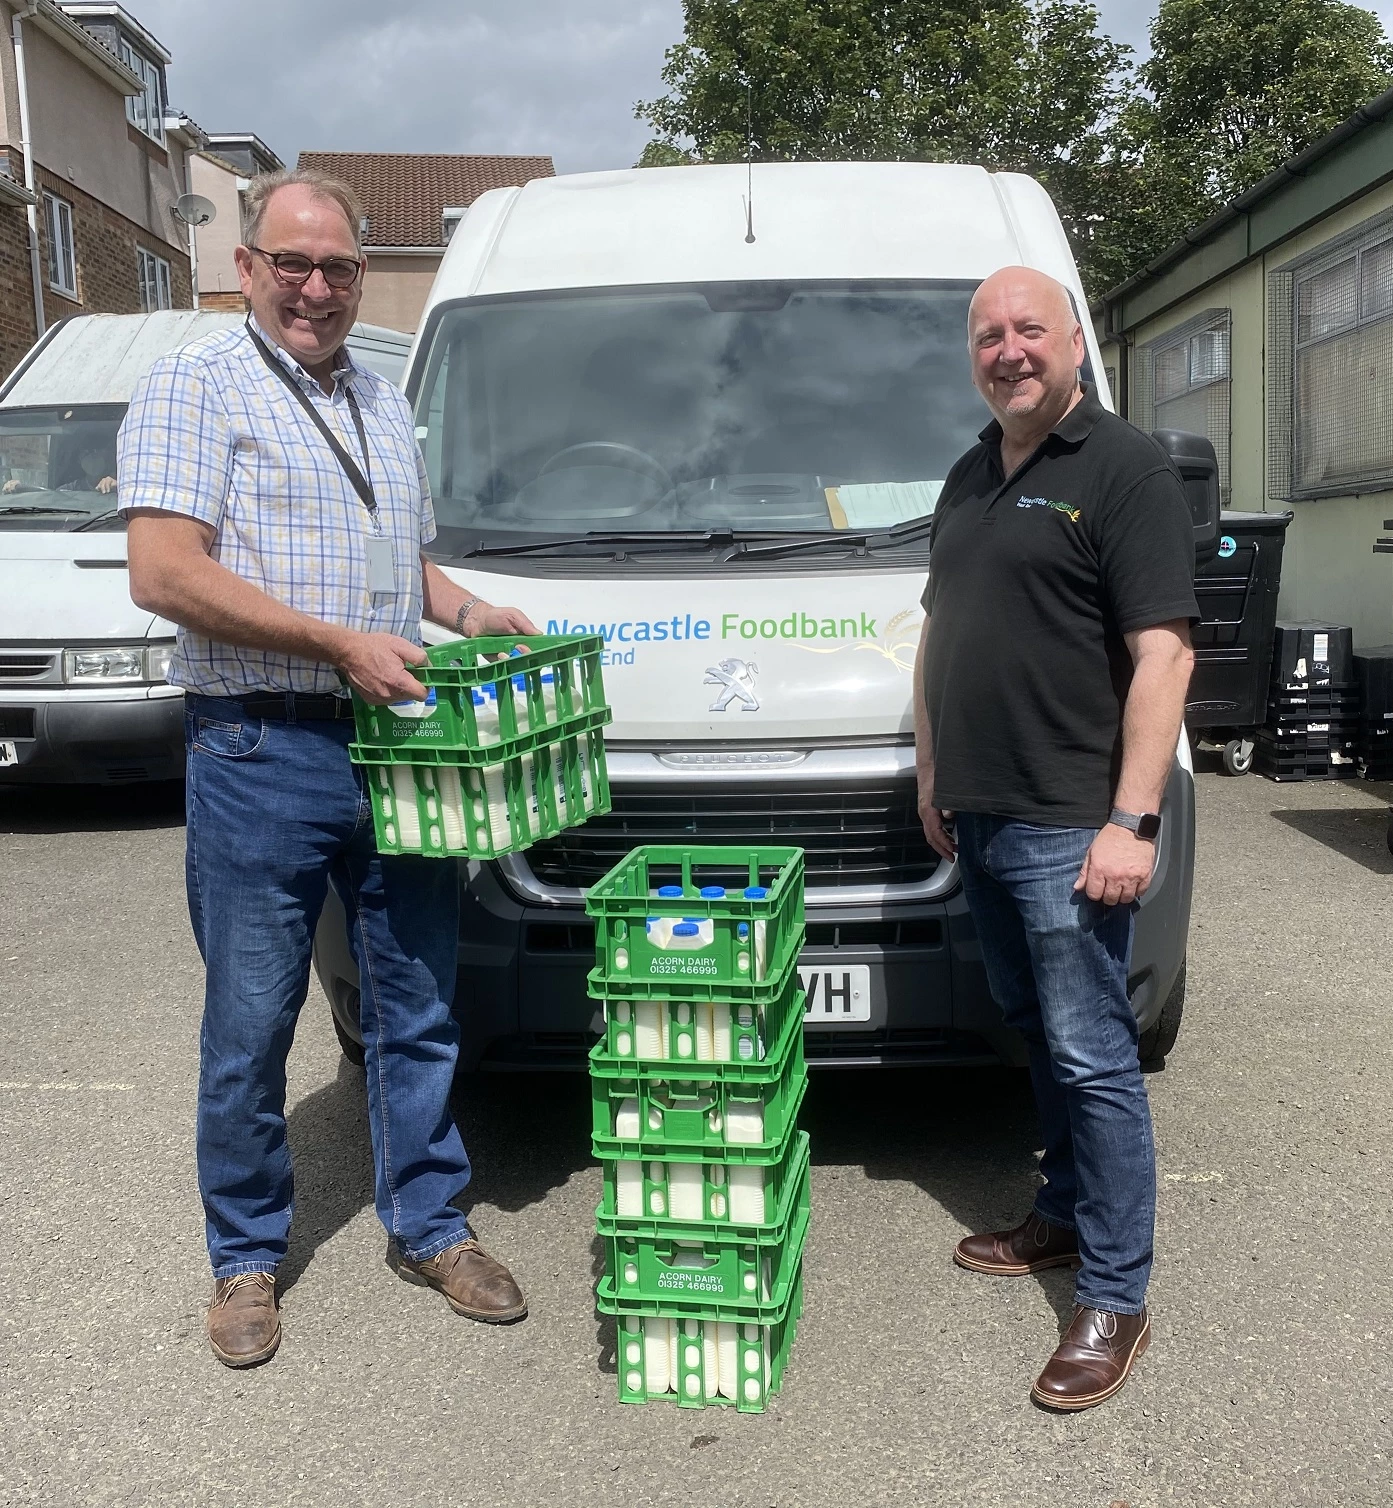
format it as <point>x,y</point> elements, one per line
<point>1006,83</point>
<point>1232,89</point>
<point>1238,86</point>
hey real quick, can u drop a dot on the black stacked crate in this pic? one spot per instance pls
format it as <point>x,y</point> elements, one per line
<point>1313,721</point>
<point>1373,671</point>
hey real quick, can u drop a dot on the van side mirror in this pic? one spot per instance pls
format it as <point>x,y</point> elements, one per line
<point>1193,457</point>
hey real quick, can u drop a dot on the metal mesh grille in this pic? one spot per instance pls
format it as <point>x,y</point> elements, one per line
<point>1279,303</point>
<point>1330,367</point>
<point>1182,381</point>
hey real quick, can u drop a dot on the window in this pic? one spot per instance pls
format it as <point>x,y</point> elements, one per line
<point>1182,382</point>
<point>450,217</point>
<point>154,281</point>
<point>62,254</point>
<point>1341,427</point>
<point>144,111</point>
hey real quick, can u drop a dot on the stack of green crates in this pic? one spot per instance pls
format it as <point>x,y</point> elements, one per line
<point>506,749</point>
<point>695,1089</point>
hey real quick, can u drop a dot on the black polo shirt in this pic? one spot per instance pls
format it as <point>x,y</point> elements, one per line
<point>1033,581</point>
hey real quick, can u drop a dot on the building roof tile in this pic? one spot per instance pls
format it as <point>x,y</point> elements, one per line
<point>405,193</point>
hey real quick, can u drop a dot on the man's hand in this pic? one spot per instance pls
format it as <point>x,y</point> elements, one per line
<point>1117,867</point>
<point>375,665</point>
<point>106,485</point>
<point>487,621</point>
<point>935,819</point>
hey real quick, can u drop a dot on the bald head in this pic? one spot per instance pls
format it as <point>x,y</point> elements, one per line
<point>1027,348</point>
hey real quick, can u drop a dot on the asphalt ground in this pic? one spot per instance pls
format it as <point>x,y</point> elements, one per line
<point>1268,1381</point>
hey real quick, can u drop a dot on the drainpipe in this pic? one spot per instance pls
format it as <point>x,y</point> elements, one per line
<point>192,228</point>
<point>26,142</point>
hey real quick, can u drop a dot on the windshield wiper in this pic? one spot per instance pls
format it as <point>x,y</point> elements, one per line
<point>857,539</point>
<point>35,508</point>
<point>657,541</point>
<point>100,518</point>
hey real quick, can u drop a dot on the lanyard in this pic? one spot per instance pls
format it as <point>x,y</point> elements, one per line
<point>362,484</point>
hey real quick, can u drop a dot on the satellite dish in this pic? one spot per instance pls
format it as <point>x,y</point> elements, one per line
<point>194,209</point>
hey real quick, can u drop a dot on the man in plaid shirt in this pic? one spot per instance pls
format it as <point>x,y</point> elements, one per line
<point>278,506</point>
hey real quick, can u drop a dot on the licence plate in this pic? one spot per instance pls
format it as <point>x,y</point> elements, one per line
<point>834,995</point>
<point>8,753</point>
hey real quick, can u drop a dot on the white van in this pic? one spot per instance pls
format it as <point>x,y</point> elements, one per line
<point>712,430</point>
<point>82,669</point>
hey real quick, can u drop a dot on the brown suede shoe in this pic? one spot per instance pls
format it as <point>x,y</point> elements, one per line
<point>243,1324</point>
<point>473,1283</point>
<point>1093,1360</point>
<point>1031,1247</point>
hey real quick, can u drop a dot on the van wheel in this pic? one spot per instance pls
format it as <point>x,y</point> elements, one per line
<point>355,1052</point>
<point>1238,756</point>
<point>1158,1039</point>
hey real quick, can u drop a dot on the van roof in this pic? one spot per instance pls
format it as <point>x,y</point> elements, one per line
<point>99,358</point>
<point>812,220</point>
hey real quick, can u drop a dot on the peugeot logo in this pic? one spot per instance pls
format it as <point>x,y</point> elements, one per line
<point>736,678</point>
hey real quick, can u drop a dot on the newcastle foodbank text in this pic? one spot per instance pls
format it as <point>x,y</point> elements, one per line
<point>796,625</point>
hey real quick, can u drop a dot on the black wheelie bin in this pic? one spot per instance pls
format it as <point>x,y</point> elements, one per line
<point>1237,595</point>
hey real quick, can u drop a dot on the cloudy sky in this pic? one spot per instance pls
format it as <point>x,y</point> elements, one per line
<point>556,76</point>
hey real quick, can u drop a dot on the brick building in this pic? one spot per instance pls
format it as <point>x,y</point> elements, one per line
<point>86,212</point>
<point>412,202</point>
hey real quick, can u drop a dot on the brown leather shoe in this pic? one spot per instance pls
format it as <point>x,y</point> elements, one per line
<point>1031,1247</point>
<point>1093,1360</point>
<point>243,1324</point>
<point>473,1283</point>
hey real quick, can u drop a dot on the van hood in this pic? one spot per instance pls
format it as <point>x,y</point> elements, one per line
<point>738,659</point>
<point>62,588</point>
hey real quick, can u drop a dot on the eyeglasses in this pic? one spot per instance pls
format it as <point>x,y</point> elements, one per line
<point>295,268</point>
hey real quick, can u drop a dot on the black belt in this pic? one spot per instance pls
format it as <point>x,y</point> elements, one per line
<point>299,706</point>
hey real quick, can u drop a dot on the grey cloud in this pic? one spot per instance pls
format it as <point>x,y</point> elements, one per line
<point>557,76</point>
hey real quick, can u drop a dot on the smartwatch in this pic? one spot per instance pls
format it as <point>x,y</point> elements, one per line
<point>1146,825</point>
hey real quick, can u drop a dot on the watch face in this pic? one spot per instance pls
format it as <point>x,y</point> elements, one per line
<point>1148,826</point>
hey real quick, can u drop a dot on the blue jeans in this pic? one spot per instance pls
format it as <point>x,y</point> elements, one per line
<point>1057,965</point>
<point>276,813</point>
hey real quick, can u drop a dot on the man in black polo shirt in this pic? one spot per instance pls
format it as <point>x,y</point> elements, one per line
<point>1050,688</point>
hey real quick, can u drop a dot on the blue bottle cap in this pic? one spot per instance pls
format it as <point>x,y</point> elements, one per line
<point>713,892</point>
<point>670,892</point>
<point>756,893</point>
<point>686,929</point>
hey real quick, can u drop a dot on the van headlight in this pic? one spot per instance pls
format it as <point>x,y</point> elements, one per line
<point>117,664</point>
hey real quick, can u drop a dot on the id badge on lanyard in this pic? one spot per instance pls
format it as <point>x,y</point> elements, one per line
<point>382,572</point>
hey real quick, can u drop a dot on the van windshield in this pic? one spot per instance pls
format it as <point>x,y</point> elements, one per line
<point>733,406</point>
<point>59,460</point>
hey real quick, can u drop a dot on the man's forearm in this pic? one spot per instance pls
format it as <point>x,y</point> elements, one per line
<point>198,593</point>
<point>441,598</point>
<point>1151,721</point>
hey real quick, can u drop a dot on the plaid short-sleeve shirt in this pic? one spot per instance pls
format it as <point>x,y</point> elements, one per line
<point>215,435</point>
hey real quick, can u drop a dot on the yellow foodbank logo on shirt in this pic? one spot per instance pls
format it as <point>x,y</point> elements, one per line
<point>1067,509</point>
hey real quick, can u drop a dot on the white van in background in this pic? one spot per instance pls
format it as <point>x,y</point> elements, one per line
<point>82,669</point>
<point>713,430</point>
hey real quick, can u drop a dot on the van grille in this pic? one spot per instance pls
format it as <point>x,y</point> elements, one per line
<point>868,834</point>
<point>17,665</point>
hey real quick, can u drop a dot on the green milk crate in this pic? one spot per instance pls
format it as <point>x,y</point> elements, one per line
<point>641,1114</point>
<point>698,1031</point>
<point>663,919</point>
<point>482,694</point>
<point>700,1360</point>
<point>646,1260</point>
<point>426,801</point>
<point>737,1192</point>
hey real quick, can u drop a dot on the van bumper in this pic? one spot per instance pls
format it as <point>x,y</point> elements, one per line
<point>521,996</point>
<point>117,740</point>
